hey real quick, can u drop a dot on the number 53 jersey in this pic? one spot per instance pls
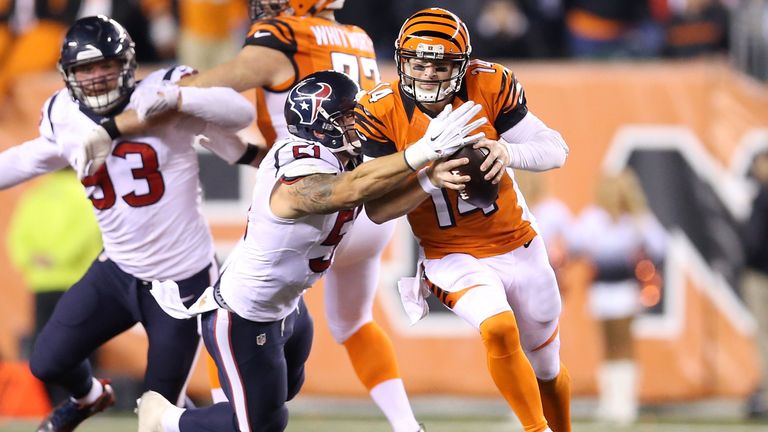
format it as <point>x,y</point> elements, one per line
<point>443,223</point>
<point>147,195</point>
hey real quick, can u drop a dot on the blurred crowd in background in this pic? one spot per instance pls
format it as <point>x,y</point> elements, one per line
<point>569,28</point>
<point>202,33</point>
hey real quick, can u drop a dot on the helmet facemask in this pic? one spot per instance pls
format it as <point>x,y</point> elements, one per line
<point>313,7</point>
<point>435,36</point>
<point>102,93</point>
<point>335,4</point>
<point>339,133</point>
<point>265,9</point>
<point>410,66</point>
<point>97,63</point>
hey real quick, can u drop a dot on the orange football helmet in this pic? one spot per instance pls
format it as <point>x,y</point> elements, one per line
<point>260,9</point>
<point>432,34</point>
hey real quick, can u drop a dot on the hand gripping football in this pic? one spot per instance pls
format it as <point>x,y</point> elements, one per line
<point>479,192</point>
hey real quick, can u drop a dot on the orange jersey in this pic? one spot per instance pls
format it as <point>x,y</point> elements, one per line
<point>444,224</point>
<point>312,44</point>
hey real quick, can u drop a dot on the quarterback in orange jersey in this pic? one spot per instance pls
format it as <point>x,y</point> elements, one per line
<point>289,40</point>
<point>487,265</point>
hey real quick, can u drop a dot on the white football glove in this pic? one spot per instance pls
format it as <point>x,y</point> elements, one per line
<point>151,100</point>
<point>445,134</point>
<point>93,152</point>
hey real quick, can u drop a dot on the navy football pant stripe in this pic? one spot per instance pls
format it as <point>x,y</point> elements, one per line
<point>261,366</point>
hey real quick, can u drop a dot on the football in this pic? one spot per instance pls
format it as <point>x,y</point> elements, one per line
<point>478,192</point>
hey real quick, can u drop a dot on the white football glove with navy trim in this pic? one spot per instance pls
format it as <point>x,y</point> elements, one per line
<point>151,100</point>
<point>93,152</point>
<point>446,134</point>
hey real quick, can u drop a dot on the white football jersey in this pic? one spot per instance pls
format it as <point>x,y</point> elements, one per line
<point>147,196</point>
<point>280,258</point>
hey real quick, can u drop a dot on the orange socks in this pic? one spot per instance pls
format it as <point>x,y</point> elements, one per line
<point>373,358</point>
<point>372,355</point>
<point>511,370</point>
<point>556,400</point>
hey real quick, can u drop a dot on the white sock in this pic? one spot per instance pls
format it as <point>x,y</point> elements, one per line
<point>392,400</point>
<point>618,392</point>
<point>171,417</point>
<point>96,390</point>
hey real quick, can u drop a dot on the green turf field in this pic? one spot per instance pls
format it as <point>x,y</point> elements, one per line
<point>325,424</point>
<point>447,414</point>
<point>106,423</point>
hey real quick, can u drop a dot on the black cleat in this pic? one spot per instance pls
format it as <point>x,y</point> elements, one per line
<point>68,414</point>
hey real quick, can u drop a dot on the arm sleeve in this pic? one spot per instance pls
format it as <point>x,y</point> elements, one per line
<point>29,160</point>
<point>533,146</point>
<point>220,105</point>
<point>222,142</point>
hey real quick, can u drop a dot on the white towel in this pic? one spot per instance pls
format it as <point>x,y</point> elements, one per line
<point>167,295</point>
<point>413,294</point>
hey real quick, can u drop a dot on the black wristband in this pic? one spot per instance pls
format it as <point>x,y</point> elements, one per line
<point>251,152</point>
<point>110,126</point>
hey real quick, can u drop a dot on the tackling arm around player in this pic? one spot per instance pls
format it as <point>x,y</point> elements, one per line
<point>289,40</point>
<point>306,198</point>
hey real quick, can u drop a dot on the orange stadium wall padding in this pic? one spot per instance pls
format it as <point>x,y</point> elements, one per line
<point>702,345</point>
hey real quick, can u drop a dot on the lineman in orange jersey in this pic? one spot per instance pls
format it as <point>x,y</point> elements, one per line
<point>289,40</point>
<point>487,265</point>
<point>306,42</point>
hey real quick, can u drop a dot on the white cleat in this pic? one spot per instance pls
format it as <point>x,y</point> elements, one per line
<point>150,408</point>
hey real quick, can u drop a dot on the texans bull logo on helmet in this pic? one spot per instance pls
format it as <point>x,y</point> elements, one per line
<point>321,109</point>
<point>310,104</point>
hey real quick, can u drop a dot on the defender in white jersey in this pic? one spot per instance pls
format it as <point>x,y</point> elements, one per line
<point>147,203</point>
<point>305,201</point>
<point>289,40</point>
